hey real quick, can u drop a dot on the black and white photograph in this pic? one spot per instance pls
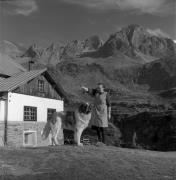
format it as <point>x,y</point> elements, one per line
<point>87,89</point>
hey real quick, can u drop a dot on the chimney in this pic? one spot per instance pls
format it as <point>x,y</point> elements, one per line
<point>30,64</point>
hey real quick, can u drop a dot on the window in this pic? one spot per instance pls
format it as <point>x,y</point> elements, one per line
<point>30,113</point>
<point>50,113</point>
<point>40,85</point>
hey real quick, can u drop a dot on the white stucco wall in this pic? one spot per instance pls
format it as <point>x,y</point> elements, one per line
<point>2,110</point>
<point>16,103</point>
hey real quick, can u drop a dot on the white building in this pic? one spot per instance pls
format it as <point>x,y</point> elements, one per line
<point>27,100</point>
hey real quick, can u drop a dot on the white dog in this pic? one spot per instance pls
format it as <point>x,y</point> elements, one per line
<point>59,121</point>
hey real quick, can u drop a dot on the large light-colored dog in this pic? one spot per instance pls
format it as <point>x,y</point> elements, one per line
<point>59,121</point>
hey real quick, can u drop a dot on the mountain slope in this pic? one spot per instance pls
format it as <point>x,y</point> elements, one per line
<point>49,55</point>
<point>8,66</point>
<point>160,74</point>
<point>11,49</point>
<point>133,62</point>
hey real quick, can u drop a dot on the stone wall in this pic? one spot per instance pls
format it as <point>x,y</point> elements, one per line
<point>1,133</point>
<point>15,132</point>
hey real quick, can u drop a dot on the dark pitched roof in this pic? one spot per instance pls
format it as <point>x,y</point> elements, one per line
<point>11,83</point>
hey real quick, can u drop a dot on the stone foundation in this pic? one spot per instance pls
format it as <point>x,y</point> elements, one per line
<point>15,133</point>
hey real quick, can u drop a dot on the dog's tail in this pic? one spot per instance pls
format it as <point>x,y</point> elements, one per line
<point>46,131</point>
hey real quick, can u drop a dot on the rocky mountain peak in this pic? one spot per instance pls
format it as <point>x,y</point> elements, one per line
<point>34,52</point>
<point>93,43</point>
<point>76,48</point>
<point>135,39</point>
<point>51,47</point>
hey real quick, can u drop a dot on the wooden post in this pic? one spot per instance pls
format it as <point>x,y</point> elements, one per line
<point>6,123</point>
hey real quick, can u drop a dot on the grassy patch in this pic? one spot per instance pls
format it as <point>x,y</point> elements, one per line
<point>84,163</point>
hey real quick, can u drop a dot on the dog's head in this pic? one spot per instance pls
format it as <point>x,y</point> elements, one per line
<point>85,108</point>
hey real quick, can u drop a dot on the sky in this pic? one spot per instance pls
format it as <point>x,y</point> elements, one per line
<point>46,21</point>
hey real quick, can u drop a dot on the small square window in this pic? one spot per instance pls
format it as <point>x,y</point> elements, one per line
<point>30,113</point>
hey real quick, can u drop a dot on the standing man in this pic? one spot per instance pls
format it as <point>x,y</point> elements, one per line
<point>101,110</point>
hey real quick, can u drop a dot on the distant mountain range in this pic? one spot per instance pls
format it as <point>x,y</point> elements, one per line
<point>133,63</point>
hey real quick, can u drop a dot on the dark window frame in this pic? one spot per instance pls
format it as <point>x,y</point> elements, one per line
<point>41,85</point>
<point>49,114</point>
<point>30,113</point>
